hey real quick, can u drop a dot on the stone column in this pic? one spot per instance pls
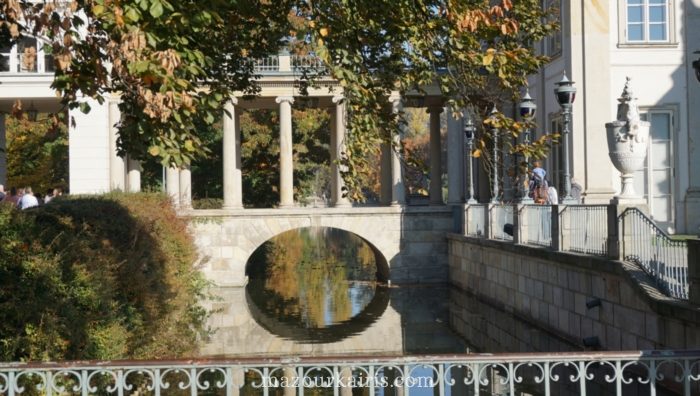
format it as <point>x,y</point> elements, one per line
<point>3,155</point>
<point>286,152</point>
<point>337,141</point>
<point>134,175</point>
<point>455,159</point>
<point>172,185</point>
<point>435,156</point>
<point>117,164</point>
<point>186,187</point>
<point>398,191</point>
<point>233,180</point>
<point>385,175</point>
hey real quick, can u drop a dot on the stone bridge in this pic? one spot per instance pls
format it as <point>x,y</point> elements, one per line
<point>410,242</point>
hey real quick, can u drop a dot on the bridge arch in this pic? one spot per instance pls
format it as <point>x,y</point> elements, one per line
<point>381,259</point>
<point>409,241</point>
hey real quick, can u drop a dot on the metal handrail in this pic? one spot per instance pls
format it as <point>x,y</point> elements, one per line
<point>507,374</point>
<point>647,245</point>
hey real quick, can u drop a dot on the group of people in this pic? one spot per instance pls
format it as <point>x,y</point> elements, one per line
<point>539,188</point>
<point>24,198</point>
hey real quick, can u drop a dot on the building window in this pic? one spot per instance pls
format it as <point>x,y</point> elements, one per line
<point>647,21</point>
<point>553,42</point>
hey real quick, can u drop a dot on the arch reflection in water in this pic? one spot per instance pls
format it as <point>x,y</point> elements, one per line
<point>315,285</point>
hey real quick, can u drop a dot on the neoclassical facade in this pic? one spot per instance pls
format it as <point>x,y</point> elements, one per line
<point>600,44</point>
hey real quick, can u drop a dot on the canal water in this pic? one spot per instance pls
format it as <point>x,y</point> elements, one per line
<point>313,292</point>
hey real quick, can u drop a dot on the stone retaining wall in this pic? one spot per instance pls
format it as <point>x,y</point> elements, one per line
<point>551,289</point>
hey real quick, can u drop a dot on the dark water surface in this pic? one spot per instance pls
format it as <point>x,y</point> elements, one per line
<point>314,292</point>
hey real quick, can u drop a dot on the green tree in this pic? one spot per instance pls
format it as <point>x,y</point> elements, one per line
<point>37,153</point>
<point>157,53</point>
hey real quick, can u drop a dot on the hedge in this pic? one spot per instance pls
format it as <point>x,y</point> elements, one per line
<point>98,277</point>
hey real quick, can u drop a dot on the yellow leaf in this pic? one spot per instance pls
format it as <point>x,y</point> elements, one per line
<point>154,150</point>
<point>323,31</point>
<point>476,153</point>
<point>488,58</point>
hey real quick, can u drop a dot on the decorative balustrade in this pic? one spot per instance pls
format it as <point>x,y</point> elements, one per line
<point>589,229</point>
<point>640,372</point>
<point>267,64</point>
<point>661,257</point>
<point>307,62</point>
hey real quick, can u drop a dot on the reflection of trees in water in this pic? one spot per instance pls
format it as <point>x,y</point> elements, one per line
<point>310,269</point>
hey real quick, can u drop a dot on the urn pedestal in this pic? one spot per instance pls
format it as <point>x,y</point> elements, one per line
<point>628,137</point>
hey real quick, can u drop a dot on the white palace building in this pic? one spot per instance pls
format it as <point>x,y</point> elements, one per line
<point>600,44</point>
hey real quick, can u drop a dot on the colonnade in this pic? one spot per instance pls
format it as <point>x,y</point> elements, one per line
<point>393,189</point>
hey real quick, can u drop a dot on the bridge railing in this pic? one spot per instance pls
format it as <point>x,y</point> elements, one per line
<point>644,243</point>
<point>590,229</point>
<point>637,372</point>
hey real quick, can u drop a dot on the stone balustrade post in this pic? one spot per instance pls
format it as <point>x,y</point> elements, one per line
<point>488,224</point>
<point>520,224</point>
<point>555,228</point>
<point>614,233</point>
<point>694,270</point>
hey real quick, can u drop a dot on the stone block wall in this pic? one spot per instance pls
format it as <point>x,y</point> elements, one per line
<point>552,289</point>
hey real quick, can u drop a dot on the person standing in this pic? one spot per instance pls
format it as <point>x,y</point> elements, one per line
<point>2,192</point>
<point>13,197</point>
<point>28,200</point>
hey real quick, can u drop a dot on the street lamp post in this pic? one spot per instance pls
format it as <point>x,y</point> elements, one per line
<point>528,108</point>
<point>566,93</point>
<point>469,131</point>
<point>494,170</point>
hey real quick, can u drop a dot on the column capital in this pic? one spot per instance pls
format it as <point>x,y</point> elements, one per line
<point>338,99</point>
<point>288,99</point>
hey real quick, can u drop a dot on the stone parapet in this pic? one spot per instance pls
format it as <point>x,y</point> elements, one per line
<point>574,296</point>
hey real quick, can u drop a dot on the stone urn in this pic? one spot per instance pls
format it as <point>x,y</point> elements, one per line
<point>628,137</point>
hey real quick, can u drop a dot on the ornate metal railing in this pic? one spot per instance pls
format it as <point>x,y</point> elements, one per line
<point>475,220</point>
<point>666,260</point>
<point>539,224</point>
<point>587,228</point>
<point>612,373</point>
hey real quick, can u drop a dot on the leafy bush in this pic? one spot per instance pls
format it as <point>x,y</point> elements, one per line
<point>98,277</point>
